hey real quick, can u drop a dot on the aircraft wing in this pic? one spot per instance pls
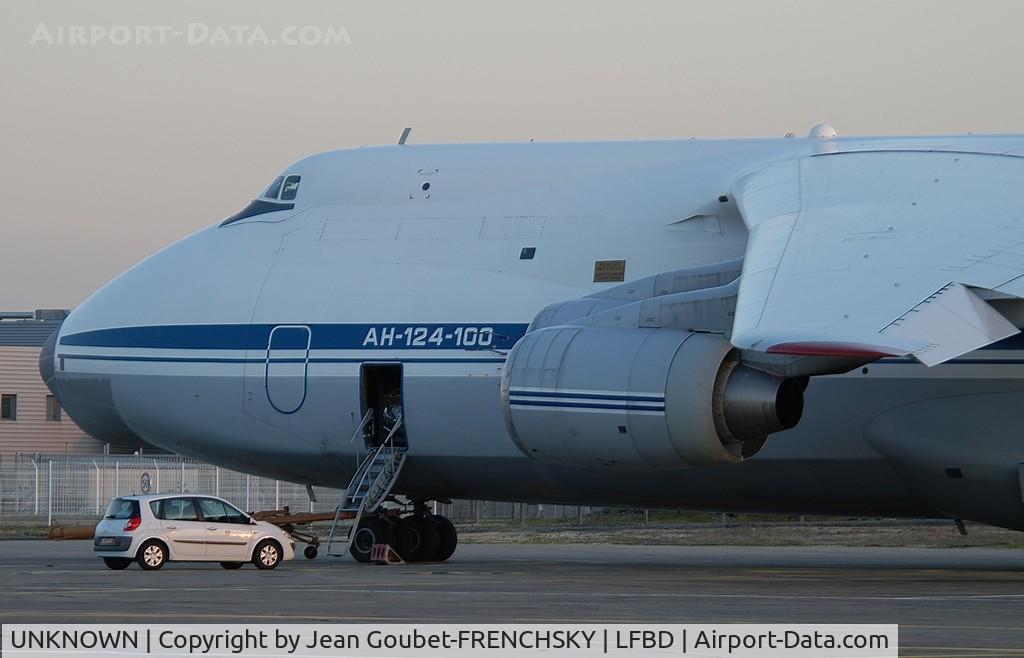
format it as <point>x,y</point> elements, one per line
<point>880,253</point>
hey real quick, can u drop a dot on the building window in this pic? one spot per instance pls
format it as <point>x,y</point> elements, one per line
<point>53,412</point>
<point>8,407</point>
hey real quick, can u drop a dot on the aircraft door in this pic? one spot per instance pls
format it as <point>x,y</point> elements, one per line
<point>286,367</point>
<point>382,393</point>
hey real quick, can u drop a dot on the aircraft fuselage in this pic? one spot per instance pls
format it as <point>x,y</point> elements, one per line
<point>246,344</point>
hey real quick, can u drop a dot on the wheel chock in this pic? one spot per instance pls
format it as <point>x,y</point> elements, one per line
<point>384,554</point>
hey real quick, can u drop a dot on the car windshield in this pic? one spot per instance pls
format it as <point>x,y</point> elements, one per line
<point>122,508</point>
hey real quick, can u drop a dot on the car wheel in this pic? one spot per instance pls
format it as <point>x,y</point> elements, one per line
<point>152,555</point>
<point>448,538</point>
<point>309,552</point>
<point>232,565</point>
<point>419,538</point>
<point>117,563</point>
<point>372,530</point>
<point>267,554</point>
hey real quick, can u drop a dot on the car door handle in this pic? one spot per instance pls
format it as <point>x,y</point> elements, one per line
<point>172,527</point>
<point>211,529</point>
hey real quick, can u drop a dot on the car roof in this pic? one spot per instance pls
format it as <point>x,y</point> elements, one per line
<point>156,496</point>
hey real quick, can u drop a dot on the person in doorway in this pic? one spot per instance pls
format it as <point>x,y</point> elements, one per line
<point>392,413</point>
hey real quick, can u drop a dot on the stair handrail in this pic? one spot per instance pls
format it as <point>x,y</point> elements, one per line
<point>362,425</point>
<point>390,466</point>
<point>389,441</point>
<point>378,488</point>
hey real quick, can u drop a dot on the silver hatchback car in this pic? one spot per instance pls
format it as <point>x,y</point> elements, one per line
<point>154,529</point>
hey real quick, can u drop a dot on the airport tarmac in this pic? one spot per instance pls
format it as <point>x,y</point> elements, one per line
<point>948,602</point>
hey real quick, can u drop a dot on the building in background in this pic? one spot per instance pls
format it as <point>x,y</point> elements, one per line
<point>31,420</point>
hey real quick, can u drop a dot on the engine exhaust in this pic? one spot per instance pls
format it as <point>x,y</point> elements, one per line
<point>757,404</point>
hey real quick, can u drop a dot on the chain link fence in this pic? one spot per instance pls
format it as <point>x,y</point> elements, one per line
<point>49,488</point>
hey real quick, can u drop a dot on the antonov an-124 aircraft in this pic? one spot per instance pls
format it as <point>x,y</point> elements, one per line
<point>800,325</point>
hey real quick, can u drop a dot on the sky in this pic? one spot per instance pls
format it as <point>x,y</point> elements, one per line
<point>112,147</point>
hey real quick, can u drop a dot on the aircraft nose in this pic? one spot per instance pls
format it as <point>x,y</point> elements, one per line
<point>47,370</point>
<point>86,399</point>
<point>117,365</point>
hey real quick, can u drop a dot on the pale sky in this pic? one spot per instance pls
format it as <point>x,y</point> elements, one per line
<point>109,152</point>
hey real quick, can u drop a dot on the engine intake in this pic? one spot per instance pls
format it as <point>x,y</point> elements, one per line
<point>643,397</point>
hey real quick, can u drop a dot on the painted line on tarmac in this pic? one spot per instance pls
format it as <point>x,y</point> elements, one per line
<point>206,617</point>
<point>62,591</point>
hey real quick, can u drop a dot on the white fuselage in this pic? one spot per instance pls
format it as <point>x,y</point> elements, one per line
<point>414,255</point>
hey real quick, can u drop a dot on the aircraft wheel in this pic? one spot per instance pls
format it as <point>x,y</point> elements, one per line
<point>448,538</point>
<point>309,552</point>
<point>372,530</point>
<point>418,538</point>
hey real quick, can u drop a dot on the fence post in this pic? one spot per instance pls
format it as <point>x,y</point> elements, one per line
<point>49,493</point>
<point>156,467</point>
<point>182,476</point>
<point>248,507</point>
<point>117,478</point>
<point>97,468</point>
<point>36,467</point>
<point>216,480</point>
<point>277,494</point>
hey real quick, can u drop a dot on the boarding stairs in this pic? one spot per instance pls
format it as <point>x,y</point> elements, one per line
<point>369,488</point>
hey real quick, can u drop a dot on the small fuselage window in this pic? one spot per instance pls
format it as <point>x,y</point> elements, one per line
<point>291,188</point>
<point>274,189</point>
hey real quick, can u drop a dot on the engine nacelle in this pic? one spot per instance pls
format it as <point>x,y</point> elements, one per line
<point>650,398</point>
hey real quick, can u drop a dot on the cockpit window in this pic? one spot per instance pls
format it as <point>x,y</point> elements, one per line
<point>274,189</point>
<point>291,188</point>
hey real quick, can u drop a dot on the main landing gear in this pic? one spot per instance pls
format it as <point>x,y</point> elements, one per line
<point>416,537</point>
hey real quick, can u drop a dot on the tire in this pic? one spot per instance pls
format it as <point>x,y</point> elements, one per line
<point>117,563</point>
<point>309,552</point>
<point>372,530</point>
<point>267,554</point>
<point>418,538</point>
<point>232,565</point>
<point>448,538</point>
<point>152,555</point>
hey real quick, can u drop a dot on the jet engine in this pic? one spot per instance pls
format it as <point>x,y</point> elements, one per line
<point>640,397</point>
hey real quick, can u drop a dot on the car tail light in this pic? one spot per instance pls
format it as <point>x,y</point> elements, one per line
<point>133,523</point>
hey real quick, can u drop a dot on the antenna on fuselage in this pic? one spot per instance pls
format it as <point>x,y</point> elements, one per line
<point>405,135</point>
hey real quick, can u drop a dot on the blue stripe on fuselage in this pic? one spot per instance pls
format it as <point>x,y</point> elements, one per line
<point>324,336</point>
<point>313,360</point>
<point>585,395</point>
<point>565,404</point>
